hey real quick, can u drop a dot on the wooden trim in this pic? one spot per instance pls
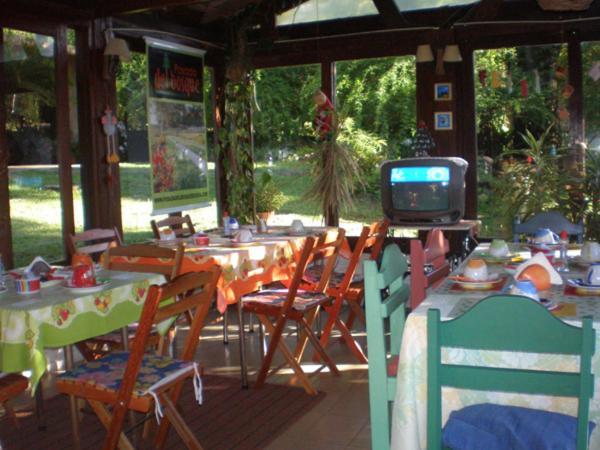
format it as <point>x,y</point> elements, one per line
<point>5,226</point>
<point>63,150</point>
<point>114,7</point>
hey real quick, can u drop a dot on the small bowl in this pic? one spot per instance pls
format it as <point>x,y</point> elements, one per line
<point>201,239</point>
<point>26,286</point>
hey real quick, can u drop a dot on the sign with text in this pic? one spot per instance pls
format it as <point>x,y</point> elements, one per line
<point>176,127</point>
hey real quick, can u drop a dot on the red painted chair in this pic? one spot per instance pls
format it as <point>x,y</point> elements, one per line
<point>428,266</point>
<point>93,242</point>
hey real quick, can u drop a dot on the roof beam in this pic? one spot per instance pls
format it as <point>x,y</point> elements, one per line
<point>114,7</point>
<point>388,12</point>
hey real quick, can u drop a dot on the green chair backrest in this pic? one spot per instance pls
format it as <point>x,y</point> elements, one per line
<point>515,324</point>
<point>386,296</point>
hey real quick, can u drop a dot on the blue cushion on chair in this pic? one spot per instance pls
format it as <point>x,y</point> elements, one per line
<point>497,427</point>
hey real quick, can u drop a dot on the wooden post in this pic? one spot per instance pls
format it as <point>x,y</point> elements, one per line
<point>218,101</point>
<point>576,80</point>
<point>65,177</point>
<point>96,90</point>
<point>5,228</point>
<point>328,86</point>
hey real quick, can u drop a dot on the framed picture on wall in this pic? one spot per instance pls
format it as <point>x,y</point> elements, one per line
<point>442,91</point>
<point>443,120</point>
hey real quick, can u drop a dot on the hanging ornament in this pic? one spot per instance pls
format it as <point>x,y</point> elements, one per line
<point>563,114</point>
<point>529,160</point>
<point>509,83</point>
<point>594,72</point>
<point>560,73</point>
<point>524,88</point>
<point>567,91</point>
<point>323,121</point>
<point>537,87</point>
<point>496,79</point>
<point>422,142</point>
<point>482,77</point>
<point>109,126</point>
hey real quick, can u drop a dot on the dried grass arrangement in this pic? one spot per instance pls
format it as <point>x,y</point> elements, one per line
<point>336,173</point>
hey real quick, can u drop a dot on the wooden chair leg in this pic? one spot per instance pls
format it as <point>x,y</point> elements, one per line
<point>114,426</point>
<point>289,357</point>
<point>303,338</point>
<point>333,313</point>
<point>358,311</point>
<point>350,342</point>
<point>275,337</point>
<point>11,413</point>
<point>313,339</point>
<point>173,416</point>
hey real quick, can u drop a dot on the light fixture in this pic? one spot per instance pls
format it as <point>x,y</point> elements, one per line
<point>452,54</point>
<point>117,47</point>
<point>424,53</point>
<point>45,45</point>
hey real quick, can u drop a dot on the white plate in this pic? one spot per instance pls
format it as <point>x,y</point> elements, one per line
<point>50,283</point>
<point>483,284</point>
<point>87,290</point>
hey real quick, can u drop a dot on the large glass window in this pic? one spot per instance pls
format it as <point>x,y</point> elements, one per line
<point>316,10</point>
<point>30,101</point>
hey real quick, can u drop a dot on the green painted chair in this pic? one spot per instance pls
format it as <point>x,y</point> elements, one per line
<point>386,296</point>
<point>518,324</point>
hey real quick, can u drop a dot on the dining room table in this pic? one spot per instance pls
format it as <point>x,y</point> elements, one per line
<point>409,423</point>
<point>60,316</point>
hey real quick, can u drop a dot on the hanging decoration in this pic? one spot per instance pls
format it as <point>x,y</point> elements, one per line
<point>524,88</point>
<point>109,127</point>
<point>567,91</point>
<point>422,143</point>
<point>496,80</point>
<point>324,112</point>
<point>594,72</point>
<point>482,77</point>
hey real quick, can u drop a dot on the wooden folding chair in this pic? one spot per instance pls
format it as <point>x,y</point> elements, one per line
<point>93,242</point>
<point>11,385</point>
<point>182,226</point>
<point>134,258</point>
<point>429,266</point>
<point>275,307</point>
<point>104,383</point>
<point>349,287</point>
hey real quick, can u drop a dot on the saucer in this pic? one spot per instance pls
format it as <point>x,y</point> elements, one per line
<point>100,284</point>
<point>582,287</point>
<point>469,283</point>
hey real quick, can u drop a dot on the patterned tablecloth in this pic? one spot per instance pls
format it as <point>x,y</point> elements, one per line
<point>245,266</point>
<point>409,425</point>
<point>55,317</point>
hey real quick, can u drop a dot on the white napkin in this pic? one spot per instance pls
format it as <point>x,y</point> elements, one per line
<point>540,258</point>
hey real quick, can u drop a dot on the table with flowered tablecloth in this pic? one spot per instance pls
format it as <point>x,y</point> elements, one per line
<point>56,317</point>
<point>409,425</point>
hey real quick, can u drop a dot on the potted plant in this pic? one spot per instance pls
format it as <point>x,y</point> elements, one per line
<point>268,197</point>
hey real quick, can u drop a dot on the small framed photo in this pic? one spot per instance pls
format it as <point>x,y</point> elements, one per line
<point>443,120</point>
<point>443,91</point>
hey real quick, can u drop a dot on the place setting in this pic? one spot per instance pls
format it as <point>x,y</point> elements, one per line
<point>476,276</point>
<point>589,285</point>
<point>499,253</point>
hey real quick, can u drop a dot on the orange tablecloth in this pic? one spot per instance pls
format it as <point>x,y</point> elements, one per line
<point>245,268</point>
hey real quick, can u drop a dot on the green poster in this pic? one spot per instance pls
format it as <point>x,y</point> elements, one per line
<point>176,127</point>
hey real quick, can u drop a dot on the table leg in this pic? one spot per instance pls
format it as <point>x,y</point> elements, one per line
<point>73,401</point>
<point>39,406</point>
<point>125,338</point>
<point>242,339</point>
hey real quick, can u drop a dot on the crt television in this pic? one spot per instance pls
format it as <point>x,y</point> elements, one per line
<point>423,191</point>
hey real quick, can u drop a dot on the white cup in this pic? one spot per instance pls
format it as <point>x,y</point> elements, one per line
<point>476,270</point>
<point>499,248</point>
<point>545,236</point>
<point>297,226</point>
<point>590,251</point>
<point>244,235</point>
<point>593,275</point>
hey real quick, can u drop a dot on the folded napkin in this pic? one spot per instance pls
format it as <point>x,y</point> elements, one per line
<point>497,427</point>
<point>540,258</point>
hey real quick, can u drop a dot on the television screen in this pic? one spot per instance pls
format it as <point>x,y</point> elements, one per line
<point>420,188</point>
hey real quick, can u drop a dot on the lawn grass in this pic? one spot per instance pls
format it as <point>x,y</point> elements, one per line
<point>36,211</point>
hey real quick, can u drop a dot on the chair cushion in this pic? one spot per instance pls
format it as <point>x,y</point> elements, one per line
<point>313,274</point>
<point>107,372</point>
<point>276,297</point>
<point>497,427</point>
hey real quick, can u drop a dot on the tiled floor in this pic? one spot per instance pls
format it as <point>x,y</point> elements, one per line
<point>340,421</point>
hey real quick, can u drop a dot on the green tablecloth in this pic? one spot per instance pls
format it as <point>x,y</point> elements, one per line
<point>55,317</point>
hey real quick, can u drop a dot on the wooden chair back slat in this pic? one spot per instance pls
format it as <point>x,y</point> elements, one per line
<point>181,226</point>
<point>116,259</point>
<point>95,241</point>
<point>326,251</point>
<point>508,323</point>
<point>434,256</point>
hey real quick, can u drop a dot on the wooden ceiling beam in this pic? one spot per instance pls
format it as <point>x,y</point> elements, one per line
<point>226,9</point>
<point>388,11</point>
<point>108,8</point>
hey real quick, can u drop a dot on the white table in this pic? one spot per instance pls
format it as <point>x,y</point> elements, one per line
<point>409,425</point>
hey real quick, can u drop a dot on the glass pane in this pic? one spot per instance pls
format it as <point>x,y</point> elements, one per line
<point>520,90</point>
<point>136,204</point>
<point>411,5</point>
<point>591,92</point>
<point>316,10</point>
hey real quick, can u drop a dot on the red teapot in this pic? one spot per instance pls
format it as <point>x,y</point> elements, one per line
<point>83,276</point>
